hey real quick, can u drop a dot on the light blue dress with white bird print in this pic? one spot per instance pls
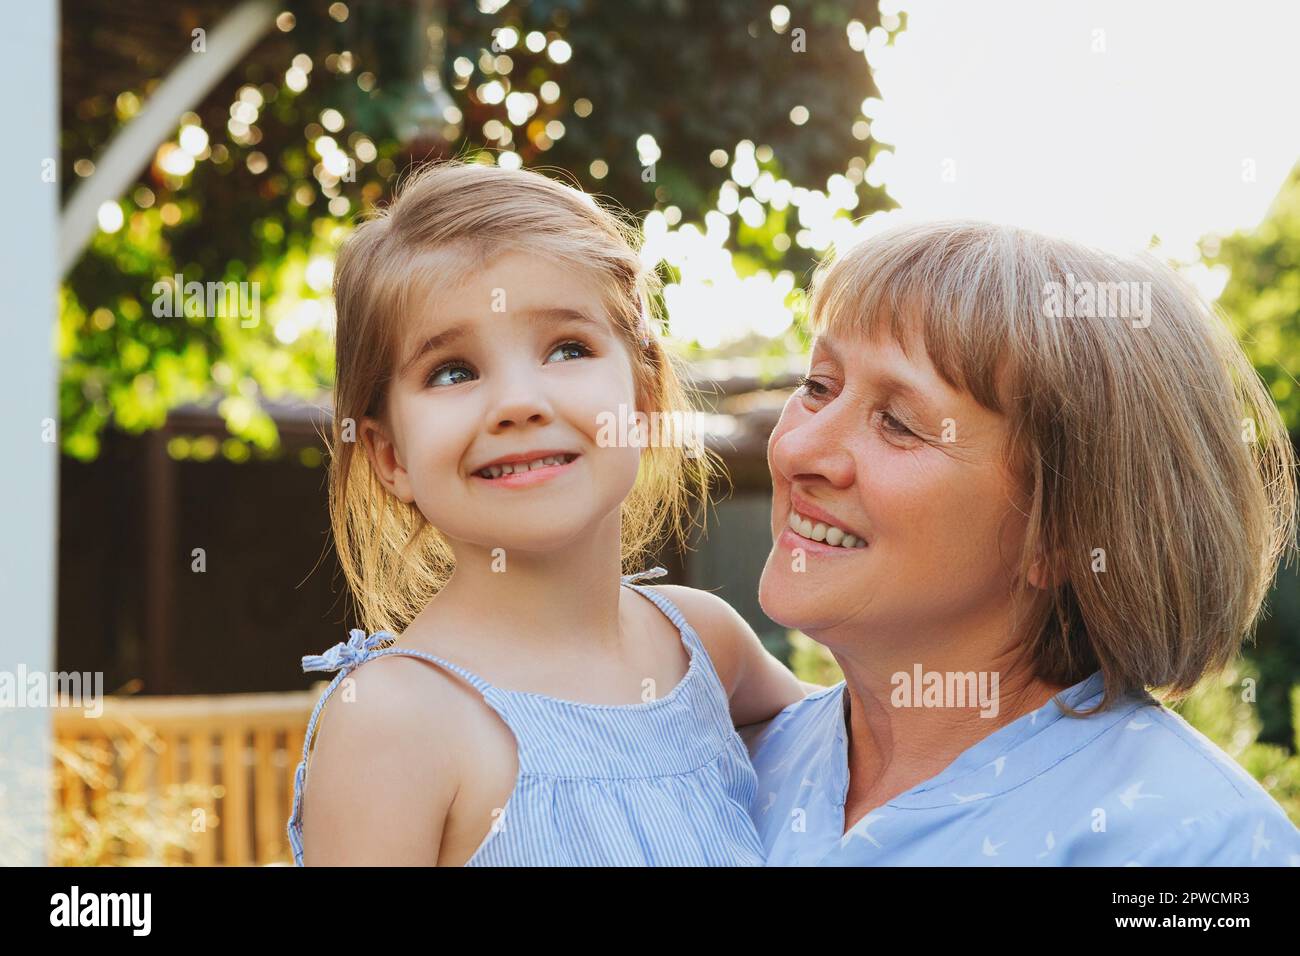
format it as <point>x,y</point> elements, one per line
<point>1134,785</point>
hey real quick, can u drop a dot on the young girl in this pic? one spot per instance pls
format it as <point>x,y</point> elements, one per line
<point>531,708</point>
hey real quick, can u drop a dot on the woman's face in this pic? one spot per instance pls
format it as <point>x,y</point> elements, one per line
<point>520,360</point>
<point>880,447</point>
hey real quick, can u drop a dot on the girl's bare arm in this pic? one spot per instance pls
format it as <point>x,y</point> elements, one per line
<point>379,784</point>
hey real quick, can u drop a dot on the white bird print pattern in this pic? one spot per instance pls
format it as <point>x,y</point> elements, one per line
<point>1040,794</point>
<point>1133,793</point>
<point>1259,842</point>
<point>860,830</point>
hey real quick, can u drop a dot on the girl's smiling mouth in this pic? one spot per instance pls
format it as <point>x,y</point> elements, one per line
<point>530,468</point>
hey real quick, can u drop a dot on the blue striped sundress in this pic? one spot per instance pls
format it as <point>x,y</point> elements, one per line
<point>662,783</point>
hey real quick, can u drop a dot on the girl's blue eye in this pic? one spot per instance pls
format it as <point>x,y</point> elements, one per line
<point>438,378</point>
<point>571,347</point>
<point>456,372</point>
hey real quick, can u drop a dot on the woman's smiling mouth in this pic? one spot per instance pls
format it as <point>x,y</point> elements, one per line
<point>810,528</point>
<point>820,532</point>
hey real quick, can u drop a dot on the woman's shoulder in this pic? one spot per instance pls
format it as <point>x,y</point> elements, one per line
<point>804,729</point>
<point>1161,739</point>
<point>1202,807</point>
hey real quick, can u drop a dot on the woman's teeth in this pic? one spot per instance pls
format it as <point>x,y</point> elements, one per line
<point>519,467</point>
<point>825,533</point>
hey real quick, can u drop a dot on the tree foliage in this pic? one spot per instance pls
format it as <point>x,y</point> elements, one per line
<point>1262,295</point>
<point>267,200</point>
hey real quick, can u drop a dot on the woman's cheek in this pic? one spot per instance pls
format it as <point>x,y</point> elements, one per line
<point>899,492</point>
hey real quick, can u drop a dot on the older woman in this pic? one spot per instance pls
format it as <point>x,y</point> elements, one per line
<point>1022,483</point>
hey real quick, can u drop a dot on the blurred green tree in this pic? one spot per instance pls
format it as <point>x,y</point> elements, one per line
<point>1262,301</point>
<point>1262,295</point>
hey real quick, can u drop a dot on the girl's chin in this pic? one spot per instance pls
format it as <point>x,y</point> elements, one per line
<point>557,537</point>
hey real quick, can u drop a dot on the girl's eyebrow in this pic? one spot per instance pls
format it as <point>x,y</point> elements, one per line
<point>433,343</point>
<point>459,331</point>
<point>557,315</point>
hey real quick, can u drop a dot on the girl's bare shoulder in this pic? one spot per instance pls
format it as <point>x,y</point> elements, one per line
<point>394,701</point>
<point>389,759</point>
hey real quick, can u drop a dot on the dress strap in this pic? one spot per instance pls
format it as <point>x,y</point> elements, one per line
<point>345,657</point>
<point>655,572</point>
<point>661,601</point>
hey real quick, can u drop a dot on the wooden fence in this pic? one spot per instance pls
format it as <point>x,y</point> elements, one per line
<point>204,781</point>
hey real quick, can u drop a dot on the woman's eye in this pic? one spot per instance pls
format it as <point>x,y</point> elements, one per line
<point>577,347</point>
<point>446,374</point>
<point>893,425</point>
<point>813,387</point>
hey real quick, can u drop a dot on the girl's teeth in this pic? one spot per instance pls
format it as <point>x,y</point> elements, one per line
<point>836,537</point>
<point>496,471</point>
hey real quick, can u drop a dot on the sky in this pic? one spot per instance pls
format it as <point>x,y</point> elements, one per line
<point>1101,120</point>
<point>1114,123</point>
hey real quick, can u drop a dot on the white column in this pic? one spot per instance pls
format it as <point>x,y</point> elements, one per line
<point>28,386</point>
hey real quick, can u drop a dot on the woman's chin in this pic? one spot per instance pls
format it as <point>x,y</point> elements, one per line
<point>784,595</point>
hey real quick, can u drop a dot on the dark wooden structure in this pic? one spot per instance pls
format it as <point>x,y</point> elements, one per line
<point>130,604</point>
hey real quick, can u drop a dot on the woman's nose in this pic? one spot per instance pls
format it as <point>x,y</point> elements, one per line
<point>814,446</point>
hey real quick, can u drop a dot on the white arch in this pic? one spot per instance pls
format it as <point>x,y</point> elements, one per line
<point>133,146</point>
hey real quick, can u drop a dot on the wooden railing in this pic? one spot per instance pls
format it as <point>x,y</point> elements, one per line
<point>182,780</point>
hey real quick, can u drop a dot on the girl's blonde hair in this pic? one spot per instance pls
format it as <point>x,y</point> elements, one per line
<point>443,222</point>
<point>1154,448</point>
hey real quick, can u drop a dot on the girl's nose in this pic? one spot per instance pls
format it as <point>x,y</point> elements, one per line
<point>521,400</point>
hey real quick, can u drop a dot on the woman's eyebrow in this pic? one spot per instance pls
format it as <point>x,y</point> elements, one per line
<point>908,391</point>
<point>891,383</point>
<point>824,344</point>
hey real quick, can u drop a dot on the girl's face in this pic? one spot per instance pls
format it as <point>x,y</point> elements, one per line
<point>514,365</point>
<point>879,446</point>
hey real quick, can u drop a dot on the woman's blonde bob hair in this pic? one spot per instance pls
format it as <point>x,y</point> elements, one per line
<point>443,221</point>
<point>1159,475</point>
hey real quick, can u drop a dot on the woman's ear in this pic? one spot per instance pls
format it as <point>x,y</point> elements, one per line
<point>385,459</point>
<point>1046,572</point>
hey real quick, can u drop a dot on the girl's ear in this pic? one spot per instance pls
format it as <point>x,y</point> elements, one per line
<point>385,459</point>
